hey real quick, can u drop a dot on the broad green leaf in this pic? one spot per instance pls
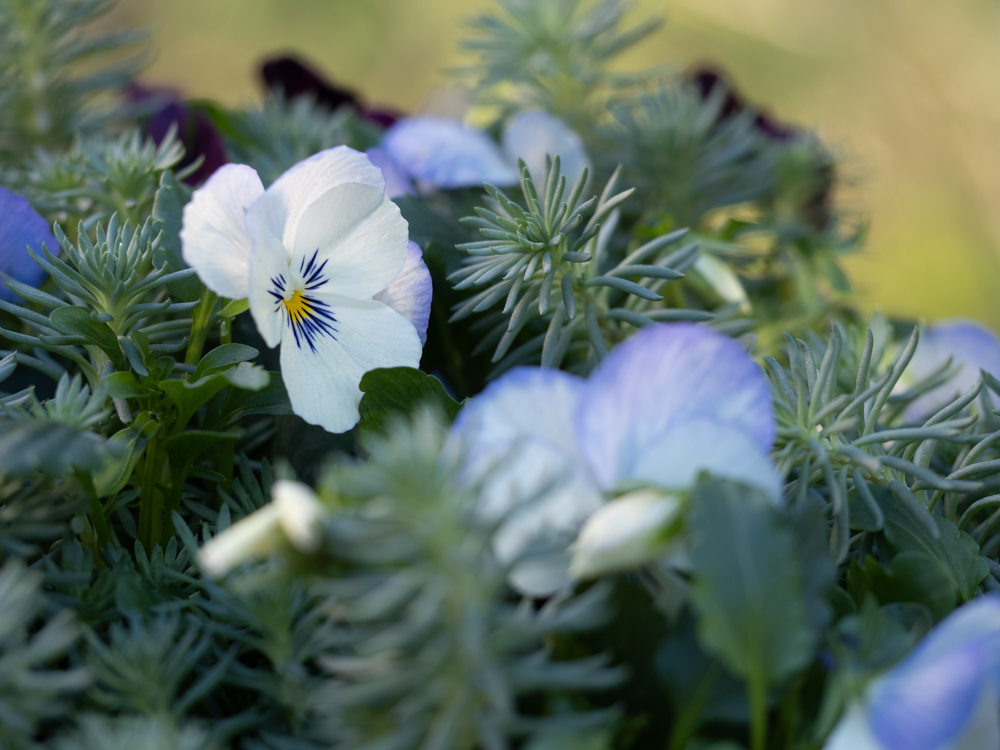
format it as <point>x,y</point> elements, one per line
<point>957,552</point>
<point>189,396</point>
<point>272,399</point>
<point>427,226</point>
<point>235,307</point>
<point>224,356</point>
<point>748,586</point>
<point>168,217</point>
<point>131,442</point>
<point>392,391</point>
<point>124,385</point>
<point>914,577</point>
<point>79,321</point>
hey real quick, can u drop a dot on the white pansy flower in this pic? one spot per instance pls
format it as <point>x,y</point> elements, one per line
<point>322,255</point>
<point>294,515</point>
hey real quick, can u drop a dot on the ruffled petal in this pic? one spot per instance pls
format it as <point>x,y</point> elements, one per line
<point>322,382</point>
<point>447,154</point>
<point>269,282</point>
<point>350,241</point>
<point>214,237</point>
<point>970,345</point>
<point>517,441</point>
<point>534,134</point>
<point>674,459</point>
<point>20,227</point>
<point>397,182</point>
<point>661,380</point>
<point>410,293</point>
<point>284,202</point>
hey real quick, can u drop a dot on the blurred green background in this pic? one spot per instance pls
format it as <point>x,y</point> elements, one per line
<point>907,92</point>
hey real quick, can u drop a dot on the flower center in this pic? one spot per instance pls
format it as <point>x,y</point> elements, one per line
<point>308,316</point>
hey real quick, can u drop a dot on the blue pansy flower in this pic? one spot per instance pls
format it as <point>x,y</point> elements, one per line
<point>672,401</point>
<point>971,347</point>
<point>21,226</point>
<point>442,153</point>
<point>944,696</point>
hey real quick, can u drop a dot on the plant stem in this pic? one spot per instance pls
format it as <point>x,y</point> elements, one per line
<point>200,326</point>
<point>757,689</point>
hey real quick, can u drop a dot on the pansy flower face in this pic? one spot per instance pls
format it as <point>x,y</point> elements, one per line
<point>323,258</point>
<point>21,227</point>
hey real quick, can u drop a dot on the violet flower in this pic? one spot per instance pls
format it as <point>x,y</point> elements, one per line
<point>21,226</point>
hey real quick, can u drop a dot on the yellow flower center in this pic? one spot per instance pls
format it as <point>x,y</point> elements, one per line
<point>297,307</point>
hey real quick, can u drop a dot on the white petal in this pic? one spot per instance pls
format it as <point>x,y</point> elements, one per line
<point>397,182</point>
<point>660,380</point>
<point>214,238</point>
<point>852,733</point>
<point>534,134</point>
<point>358,233</point>
<point>674,459</point>
<point>410,293</point>
<point>446,153</point>
<point>268,273</point>
<point>300,514</point>
<point>284,202</point>
<point>624,533</point>
<point>249,538</point>
<point>722,279</point>
<point>323,385</point>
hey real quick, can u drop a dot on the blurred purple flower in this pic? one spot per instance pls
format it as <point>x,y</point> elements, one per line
<point>943,696</point>
<point>21,226</point>
<point>668,403</point>
<point>706,80</point>
<point>293,78</point>
<point>194,130</point>
<point>971,346</point>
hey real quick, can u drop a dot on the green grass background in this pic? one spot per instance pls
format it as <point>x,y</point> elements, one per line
<point>906,91</point>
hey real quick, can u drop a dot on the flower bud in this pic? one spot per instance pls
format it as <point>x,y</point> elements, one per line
<point>626,533</point>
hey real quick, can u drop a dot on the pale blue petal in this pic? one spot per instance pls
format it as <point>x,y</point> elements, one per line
<point>970,345</point>
<point>397,182</point>
<point>534,134</point>
<point>447,154</point>
<point>662,380</point>
<point>410,293</point>
<point>852,732</point>
<point>20,227</point>
<point>983,729</point>
<point>518,445</point>
<point>674,459</point>
<point>931,697</point>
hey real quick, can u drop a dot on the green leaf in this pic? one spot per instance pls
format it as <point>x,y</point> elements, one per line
<point>189,396</point>
<point>168,216</point>
<point>272,399</point>
<point>956,551</point>
<point>79,321</point>
<point>124,385</point>
<point>748,586</point>
<point>235,307</point>
<point>393,391</point>
<point>427,226</point>
<point>131,442</point>
<point>224,356</point>
<point>914,577</point>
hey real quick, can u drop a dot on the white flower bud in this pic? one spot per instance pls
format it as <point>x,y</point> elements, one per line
<point>625,533</point>
<point>295,514</point>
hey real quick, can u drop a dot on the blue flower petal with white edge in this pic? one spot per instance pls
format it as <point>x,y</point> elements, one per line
<point>20,227</point>
<point>447,154</point>
<point>517,440</point>
<point>397,182</point>
<point>970,345</point>
<point>410,293</point>
<point>533,134</point>
<point>663,381</point>
<point>931,697</point>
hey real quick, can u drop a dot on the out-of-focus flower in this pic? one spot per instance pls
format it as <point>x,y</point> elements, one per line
<point>294,516</point>
<point>200,138</point>
<point>710,82</point>
<point>447,154</point>
<point>21,226</point>
<point>293,78</point>
<point>943,696</point>
<point>397,182</point>
<point>311,253</point>
<point>971,347</point>
<point>672,401</point>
